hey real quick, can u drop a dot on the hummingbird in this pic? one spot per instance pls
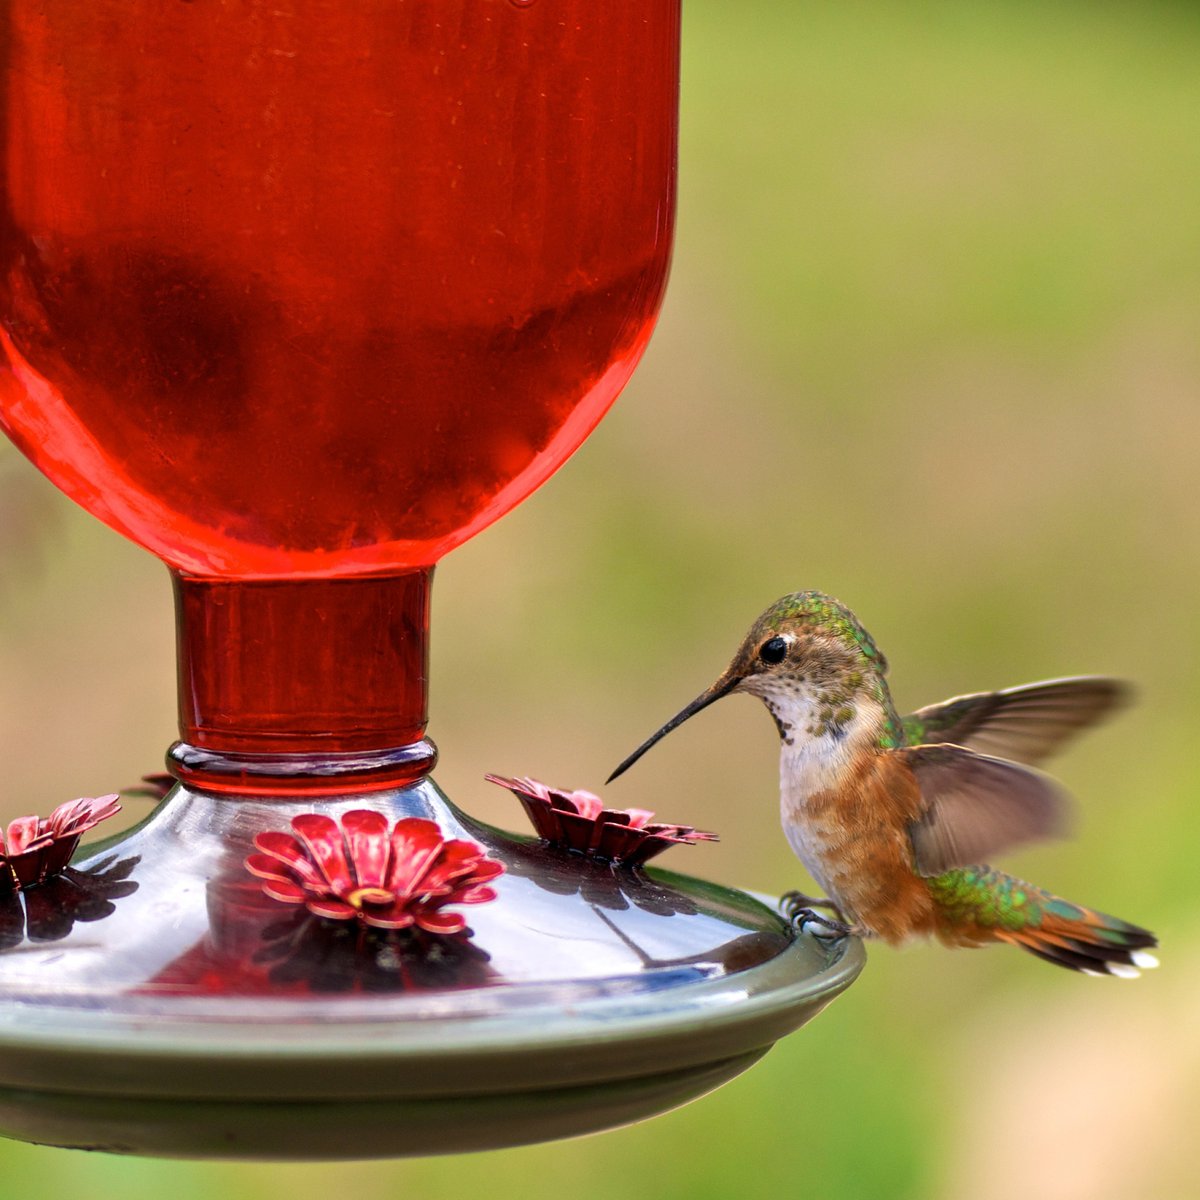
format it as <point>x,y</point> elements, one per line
<point>896,818</point>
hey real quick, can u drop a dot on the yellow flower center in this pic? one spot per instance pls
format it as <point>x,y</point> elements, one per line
<point>361,897</point>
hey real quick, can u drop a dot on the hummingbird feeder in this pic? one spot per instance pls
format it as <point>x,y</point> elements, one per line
<point>299,298</point>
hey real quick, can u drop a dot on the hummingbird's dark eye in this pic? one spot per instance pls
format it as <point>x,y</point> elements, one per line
<point>773,651</point>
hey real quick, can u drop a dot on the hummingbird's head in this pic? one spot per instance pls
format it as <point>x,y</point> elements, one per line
<point>807,655</point>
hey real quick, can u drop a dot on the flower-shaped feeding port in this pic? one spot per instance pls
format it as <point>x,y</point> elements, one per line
<point>579,821</point>
<point>49,913</point>
<point>33,849</point>
<point>607,885</point>
<point>306,955</point>
<point>152,787</point>
<point>358,871</point>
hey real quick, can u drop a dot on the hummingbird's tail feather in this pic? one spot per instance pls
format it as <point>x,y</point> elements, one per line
<point>977,905</point>
<point>1096,944</point>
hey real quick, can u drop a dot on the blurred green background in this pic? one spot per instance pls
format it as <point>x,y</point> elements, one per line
<point>931,344</point>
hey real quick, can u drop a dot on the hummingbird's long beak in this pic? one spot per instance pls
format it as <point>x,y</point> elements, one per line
<point>722,687</point>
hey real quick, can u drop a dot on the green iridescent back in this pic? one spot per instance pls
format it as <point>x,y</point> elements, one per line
<point>986,897</point>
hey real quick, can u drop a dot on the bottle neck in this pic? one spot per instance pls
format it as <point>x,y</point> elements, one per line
<point>302,685</point>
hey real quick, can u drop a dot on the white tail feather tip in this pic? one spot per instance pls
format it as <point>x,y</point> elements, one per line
<point>1122,971</point>
<point>1144,959</point>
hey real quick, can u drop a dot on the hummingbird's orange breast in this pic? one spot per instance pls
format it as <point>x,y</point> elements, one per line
<point>861,822</point>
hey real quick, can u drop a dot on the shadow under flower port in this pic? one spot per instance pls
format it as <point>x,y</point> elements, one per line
<point>299,304</point>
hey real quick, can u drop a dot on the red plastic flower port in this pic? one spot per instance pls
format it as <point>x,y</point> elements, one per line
<point>360,872</point>
<point>579,821</point>
<point>34,848</point>
<point>152,787</point>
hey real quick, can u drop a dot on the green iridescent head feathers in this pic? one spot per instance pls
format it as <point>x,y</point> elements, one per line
<point>821,614</point>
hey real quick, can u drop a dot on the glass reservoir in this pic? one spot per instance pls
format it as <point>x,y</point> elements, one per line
<point>316,291</point>
<point>319,289</point>
<point>299,296</point>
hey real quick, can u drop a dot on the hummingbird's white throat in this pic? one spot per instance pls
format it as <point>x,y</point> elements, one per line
<point>821,732</point>
<point>819,740</point>
<point>806,711</point>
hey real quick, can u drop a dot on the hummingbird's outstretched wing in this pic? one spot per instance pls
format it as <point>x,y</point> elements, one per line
<point>974,806</point>
<point>1026,724</point>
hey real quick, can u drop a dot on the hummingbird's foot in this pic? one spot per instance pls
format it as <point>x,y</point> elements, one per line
<point>793,903</point>
<point>800,910</point>
<point>804,920</point>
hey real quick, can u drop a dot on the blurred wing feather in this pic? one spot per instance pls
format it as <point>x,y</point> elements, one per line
<point>976,806</point>
<point>1026,724</point>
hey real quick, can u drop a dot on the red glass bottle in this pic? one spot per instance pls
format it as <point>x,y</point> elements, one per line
<point>300,296</point>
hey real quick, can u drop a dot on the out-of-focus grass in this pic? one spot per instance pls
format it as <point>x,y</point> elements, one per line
<point>930,345</point>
